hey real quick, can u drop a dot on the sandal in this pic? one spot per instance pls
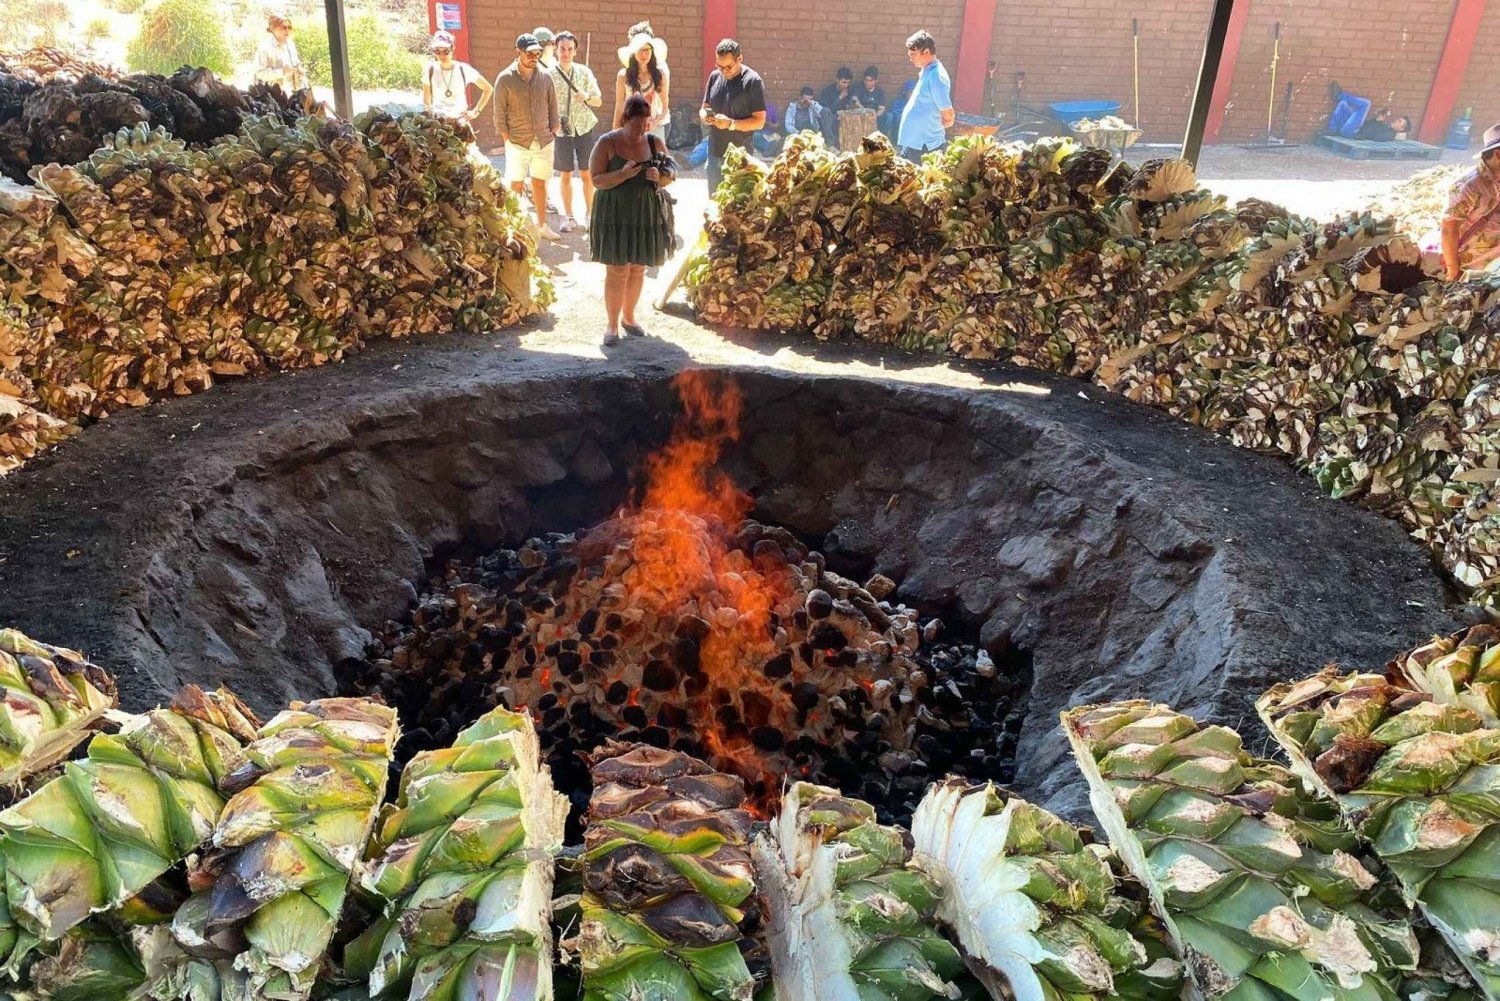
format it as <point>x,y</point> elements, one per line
<point>633,329</point>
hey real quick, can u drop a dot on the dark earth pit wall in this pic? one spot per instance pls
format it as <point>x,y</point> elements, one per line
<point>251,535</point>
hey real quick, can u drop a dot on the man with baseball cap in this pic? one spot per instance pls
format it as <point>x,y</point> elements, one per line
<point>526,118</point>
<point>1471,226</point>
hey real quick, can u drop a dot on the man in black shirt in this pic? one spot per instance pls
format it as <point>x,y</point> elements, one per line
<point>839,95</point>
<point>871,95</point>
<point>734,107</point>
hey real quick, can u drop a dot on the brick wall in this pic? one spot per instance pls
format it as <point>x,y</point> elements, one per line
<point>495,25</point>
<point>1073,50</point>
<point>1481,87</point>
<point>1387,50</point>
<point>792,43</point>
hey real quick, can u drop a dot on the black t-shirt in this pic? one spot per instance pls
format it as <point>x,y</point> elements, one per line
<point>831,100</point>
<point>872,99</point>
<point>741,97</point>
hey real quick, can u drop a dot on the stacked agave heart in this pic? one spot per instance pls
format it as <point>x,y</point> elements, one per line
<point>153,267</point>
<point>1330,344</point>
<point>199,856</point>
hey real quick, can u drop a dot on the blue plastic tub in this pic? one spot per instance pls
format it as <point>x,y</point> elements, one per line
<point>1069,112</point>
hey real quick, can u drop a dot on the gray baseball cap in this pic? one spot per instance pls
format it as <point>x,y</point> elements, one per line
<point>544,35</point>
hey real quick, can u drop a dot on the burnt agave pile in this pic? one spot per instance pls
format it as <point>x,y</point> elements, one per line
<point>56,107</point>
<point>1325,343</point>
<point>153,267</point>
<point>838,683</point>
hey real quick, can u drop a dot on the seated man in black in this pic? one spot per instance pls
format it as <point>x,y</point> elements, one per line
<point>839,95</point>
<point>871,95</point>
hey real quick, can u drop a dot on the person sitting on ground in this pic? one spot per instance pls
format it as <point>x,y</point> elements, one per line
<point>1471,226</point>
<point>805,115</point>
<point>446,83</point>
<point>276,59</point>
<point>839,95</point>
<point>870,94</point>
<point>631,228</point>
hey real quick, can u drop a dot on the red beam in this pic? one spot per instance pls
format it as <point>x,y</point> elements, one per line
<point>1450,72</point>
<point>720,21</point>
<point>973,55</point>
<point>1238,18</point>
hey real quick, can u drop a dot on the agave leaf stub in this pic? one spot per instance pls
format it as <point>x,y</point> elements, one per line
<point>464,861</point>
<point>114,821</point>
<point>286,845</point>
<point>850,916</point>
<point>1423,788</point>
<point>667,880</point>
<point>1036,911</point>
<point>50,698</point>
<point>1259,884</point>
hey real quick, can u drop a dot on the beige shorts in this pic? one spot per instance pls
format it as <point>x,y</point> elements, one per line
<point>521,163</point>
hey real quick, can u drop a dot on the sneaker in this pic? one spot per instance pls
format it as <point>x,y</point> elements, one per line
<point>548,233</point>
<point>583,225</point>
<point>553,208</point>
<point>567,225</point>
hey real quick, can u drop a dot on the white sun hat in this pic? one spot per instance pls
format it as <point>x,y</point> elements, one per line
<point>639,40</point>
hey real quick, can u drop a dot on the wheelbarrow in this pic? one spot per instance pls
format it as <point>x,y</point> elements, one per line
<point>965,124</point>
<point>1070,113</point>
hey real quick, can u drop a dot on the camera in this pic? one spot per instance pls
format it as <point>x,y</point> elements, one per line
<point>661,161</point>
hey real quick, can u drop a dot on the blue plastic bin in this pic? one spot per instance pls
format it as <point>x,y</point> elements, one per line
<point>1069,112</point>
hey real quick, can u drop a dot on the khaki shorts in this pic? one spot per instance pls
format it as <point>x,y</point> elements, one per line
<point>521,163</point>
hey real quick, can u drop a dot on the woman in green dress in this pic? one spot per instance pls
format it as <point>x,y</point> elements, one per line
<point>631,229</point>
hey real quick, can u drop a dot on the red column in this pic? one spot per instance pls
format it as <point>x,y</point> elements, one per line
<point>973,55</point>
<point>720,20</point>
<point>1238,18</point>
<point>1450,72</point>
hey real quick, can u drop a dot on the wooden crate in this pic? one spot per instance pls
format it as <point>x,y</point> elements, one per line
<point>1370,149</point>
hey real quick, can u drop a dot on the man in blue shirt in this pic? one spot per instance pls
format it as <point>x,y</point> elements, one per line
<point>929,112</point>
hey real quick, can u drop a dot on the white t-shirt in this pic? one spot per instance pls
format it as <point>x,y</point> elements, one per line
<point>450,87</point>
<point>277,62</point>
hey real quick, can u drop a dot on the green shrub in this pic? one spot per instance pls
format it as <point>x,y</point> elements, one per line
<point>127,6</point>
<point>180,33</point>
<point>376,58</point>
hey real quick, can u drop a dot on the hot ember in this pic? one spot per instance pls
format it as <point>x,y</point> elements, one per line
<point>679,624</point>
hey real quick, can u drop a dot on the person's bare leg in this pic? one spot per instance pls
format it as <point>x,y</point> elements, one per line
<point>565,178</point>
<point>539,196</point>
<point>588,192</point>
<point>634,281</point>
<point>615,281</point>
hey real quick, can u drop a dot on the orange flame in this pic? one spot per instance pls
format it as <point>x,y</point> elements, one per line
<point>687,562</point>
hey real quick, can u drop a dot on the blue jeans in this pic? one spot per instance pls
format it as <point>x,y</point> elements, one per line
<point>915,155</point>
<point>1348,115</point>
<point>715,173</point>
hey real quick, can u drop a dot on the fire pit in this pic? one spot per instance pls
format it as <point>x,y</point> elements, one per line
<point>681,624</point>
<point>446,526</point>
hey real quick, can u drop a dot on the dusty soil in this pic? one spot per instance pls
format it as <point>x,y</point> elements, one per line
<point>252,535</point>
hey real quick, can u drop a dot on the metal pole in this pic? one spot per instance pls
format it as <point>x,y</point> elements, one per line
<point>1208,74</point>
<point>338,56</point>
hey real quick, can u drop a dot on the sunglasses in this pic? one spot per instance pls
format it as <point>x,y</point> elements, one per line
<point>441,52</point>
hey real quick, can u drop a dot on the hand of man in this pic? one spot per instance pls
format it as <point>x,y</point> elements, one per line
<point>724,121</point>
